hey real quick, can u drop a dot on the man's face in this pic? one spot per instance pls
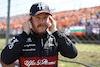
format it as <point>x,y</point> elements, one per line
<point>40,23</point>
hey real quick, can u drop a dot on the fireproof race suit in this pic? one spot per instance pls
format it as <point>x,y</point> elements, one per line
<point>38,50</point>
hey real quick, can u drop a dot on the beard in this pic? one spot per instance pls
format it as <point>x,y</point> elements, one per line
<point>45,25</point>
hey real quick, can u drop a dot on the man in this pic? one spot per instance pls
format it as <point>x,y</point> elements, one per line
<point>40,42</point>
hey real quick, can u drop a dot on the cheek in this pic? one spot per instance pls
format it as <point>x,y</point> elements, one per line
<point>33,25</point>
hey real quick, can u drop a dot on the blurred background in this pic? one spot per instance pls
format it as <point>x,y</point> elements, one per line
<point>78,19</point>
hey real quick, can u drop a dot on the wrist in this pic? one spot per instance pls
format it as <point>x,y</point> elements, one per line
<point>26,31</point>
<point>24,35</point>
<point>52,31</point>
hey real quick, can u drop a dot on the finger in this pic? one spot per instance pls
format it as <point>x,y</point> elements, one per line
<point>51,19</point>
<point>28,19</point>
<point>30,25</point>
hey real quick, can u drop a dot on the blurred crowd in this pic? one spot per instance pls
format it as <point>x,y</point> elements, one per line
<point>88,17</point>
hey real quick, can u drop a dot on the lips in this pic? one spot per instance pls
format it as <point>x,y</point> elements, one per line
<point>42,25</point>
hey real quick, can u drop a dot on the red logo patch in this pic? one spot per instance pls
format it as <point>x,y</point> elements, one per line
<point>39,61</point>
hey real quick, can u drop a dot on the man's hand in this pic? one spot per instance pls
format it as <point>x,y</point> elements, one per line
<point>26,25</point>
<point>53,26</point>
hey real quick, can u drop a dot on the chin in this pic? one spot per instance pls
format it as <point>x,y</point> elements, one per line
<point>41,32</point>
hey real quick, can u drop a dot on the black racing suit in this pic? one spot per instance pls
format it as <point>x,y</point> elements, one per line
<point>38,50</point>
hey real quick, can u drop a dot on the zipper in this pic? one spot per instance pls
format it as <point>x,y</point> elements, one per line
<point>42,41</point>
<point>41,48</point>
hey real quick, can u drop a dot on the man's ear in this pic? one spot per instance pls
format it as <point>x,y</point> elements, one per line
<point>31,19</point>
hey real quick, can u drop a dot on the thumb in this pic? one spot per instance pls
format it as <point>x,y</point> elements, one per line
<point>51,19</point>
<point>28,19</point>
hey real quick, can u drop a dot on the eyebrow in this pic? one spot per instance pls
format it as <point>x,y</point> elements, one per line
<point>47,14</point>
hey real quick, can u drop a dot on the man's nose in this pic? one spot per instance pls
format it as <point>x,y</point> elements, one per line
<point>42,21</point>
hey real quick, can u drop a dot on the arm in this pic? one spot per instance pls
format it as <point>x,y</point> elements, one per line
<point>65,46</point>
<point>12,51</point>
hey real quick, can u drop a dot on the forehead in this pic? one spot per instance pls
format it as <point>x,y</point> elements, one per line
<point>42,14</point>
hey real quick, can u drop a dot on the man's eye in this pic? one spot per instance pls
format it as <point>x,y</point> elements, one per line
<point>45,17</point>
<point>37,18</point>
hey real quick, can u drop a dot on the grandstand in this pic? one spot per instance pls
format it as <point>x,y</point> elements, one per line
<point>81,22</point>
